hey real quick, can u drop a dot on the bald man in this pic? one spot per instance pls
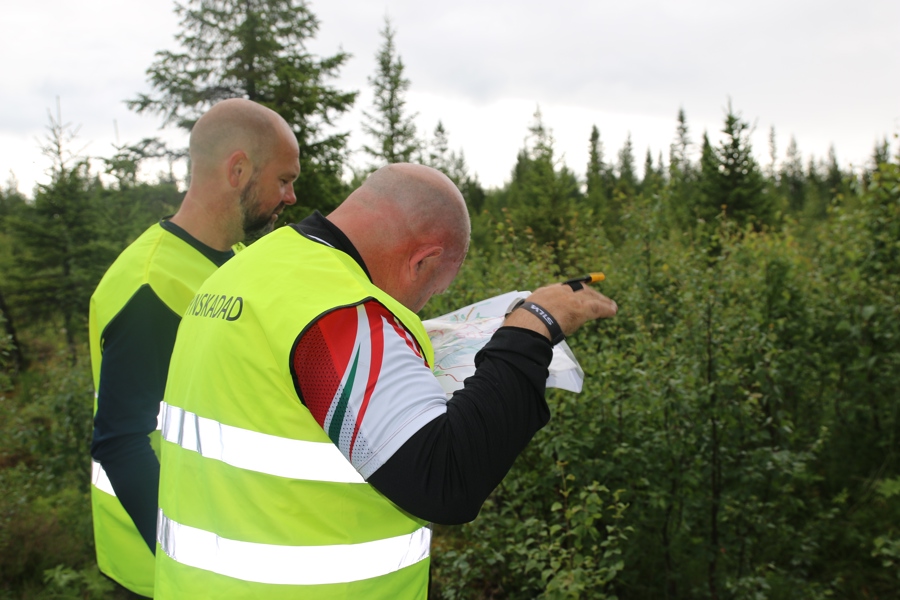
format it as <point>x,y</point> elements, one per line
<point>244,159</point>
<point>306,444</point>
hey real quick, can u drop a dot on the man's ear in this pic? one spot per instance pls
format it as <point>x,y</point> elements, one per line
<point>238,168</point>
<point>422,259</point>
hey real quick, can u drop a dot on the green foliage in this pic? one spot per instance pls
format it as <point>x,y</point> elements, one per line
<point>681,190</point>
<point>741,404</point>
<point>12,201</point>
<point>453,165</point>
<point>257,50</point>
<point>730,177</point>
<point>8,359</point>
<point>626,184</point>
<point>543,197</point>
<point>737,435</point>
<point>393,130</point>
<point>64,583</point>
<point>124,164</point>
<point>549,530</point>
<point>45,429</point>
<point>601,182</point>
<point>792,179</point>
<point>123,213</point>
<point>57,245</point>
<point>569,549</point>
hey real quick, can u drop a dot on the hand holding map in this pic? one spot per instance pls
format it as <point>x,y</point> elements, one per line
<point>459,335</point>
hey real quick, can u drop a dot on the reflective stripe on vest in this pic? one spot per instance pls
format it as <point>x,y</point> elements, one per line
<point>173,269</point>
<point>99,478</point>
<point>254,451</point>
<point>265,563</point>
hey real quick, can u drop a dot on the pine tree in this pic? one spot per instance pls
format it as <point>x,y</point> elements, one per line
<point>705,208</point>
<point>60,251</point>
<point>835,179</point>
<point>12,201</point>
<point>682,176</point>
<point>13,205</point>
<point>792,179</point>
<point>817,193</point>
<point>440,156</point>
<point>653,179</point>
<point>600,180</point>
<point>445,160</point>
<point>393,131</point>
<point>679,151</point>
<point>453,165</point>
<point>124,164</point>
<point>882,153</point>
<point>542,197</point>
<point>256,49</point>
<point>730,177</point>
<point>627,182</point>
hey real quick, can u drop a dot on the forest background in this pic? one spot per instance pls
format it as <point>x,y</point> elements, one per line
<point>737,434</point>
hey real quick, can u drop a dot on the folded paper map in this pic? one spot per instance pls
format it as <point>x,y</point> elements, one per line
<point>459,335</point>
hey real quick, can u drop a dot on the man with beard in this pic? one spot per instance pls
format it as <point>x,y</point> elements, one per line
<point>244,160</point>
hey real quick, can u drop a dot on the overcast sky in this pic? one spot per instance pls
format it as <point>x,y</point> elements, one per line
<point>823,71</point>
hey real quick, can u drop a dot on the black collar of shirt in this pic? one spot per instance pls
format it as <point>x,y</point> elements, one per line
<point>218,257</point>
<point>319,229</point>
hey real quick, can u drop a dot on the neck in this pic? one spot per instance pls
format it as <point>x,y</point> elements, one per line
<point>211,227</point>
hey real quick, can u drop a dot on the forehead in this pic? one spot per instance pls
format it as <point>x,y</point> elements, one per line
<point>285,156</point>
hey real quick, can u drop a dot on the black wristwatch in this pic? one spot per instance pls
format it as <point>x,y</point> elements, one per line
<point>556,332</point>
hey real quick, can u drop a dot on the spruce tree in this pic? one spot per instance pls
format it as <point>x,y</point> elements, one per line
<point>882,153</point>
<point>542,197</point>
<point>453,165</point>
<point>653,179</point>
<point>59,248</point>
<point>600,181</point>
<point>392,129</point>
<point>708,202</point>
<point>683,173</point>
<point>13,205</point>
<point>627,182</point>
<point>792,179</point>
<point>679,151</point>
<point>445,160</point>
<point>817,193</point>
<point>440,156</point>
<point>731,179</point>
<point>835,179</point>
<point>256,49</point>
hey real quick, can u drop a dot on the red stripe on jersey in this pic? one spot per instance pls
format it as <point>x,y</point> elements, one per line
<point>322,357</point>
<point>376,334</point>
<point>401,331</point>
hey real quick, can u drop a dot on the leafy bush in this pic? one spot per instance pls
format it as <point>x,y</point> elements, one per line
<point>45,516</point>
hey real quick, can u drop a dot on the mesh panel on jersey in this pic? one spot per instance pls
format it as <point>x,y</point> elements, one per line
<point>317,377</point>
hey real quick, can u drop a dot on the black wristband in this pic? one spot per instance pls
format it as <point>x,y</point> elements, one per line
<point>556,332</point>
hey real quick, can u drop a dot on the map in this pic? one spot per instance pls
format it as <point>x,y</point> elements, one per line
<point>459,335</point>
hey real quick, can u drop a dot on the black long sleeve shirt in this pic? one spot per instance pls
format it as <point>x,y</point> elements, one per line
<point>137,347</point>
<point>446,470</point>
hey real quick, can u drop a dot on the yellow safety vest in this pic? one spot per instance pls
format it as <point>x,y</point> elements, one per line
<point>174,269</point>
<point>255,499</point>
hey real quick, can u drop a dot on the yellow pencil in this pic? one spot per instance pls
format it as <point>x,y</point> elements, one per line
<point>577,283</point>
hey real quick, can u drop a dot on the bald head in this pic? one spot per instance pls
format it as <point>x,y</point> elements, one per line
<point>244,160</point>
<point>406,219</point>
<point>234,125</point>
<point>420,200</point>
